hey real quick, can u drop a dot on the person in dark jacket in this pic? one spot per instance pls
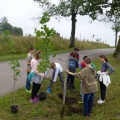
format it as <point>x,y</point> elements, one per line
<point>73,65</point>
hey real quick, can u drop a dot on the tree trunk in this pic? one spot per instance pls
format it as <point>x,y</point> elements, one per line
<point>117,50</point>
<point>72,38</point>
<point>116,38</point>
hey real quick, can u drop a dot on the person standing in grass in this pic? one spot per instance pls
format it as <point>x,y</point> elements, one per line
<point>89,85</point>
<point>57,71</point>
<point>73,65</point>
<point>37,77</point>
<point>28,69</point>
<point>105,66</point>
<point>76,50</point>
<point>82,66</point>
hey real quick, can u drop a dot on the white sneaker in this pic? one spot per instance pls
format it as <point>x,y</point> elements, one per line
<point>101,101</point>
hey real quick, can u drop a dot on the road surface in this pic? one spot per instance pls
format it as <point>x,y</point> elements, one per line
<point>6,80</point>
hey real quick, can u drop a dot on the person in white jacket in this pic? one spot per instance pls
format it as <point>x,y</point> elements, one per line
<point>57,71</point>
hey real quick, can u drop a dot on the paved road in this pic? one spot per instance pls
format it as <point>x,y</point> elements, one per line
<point>6,81</point>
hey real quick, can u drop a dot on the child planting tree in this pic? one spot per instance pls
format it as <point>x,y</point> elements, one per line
<point>36,78</point>
<point>57,71</point>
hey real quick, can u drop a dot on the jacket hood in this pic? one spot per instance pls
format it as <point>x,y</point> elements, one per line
<point>92,70</point>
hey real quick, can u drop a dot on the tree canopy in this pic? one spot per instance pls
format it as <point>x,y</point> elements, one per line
<point>72,8</point>
<point>6,26</point>
<point>17,31</point>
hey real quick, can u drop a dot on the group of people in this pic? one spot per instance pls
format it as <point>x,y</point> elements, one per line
<point>87,76</point>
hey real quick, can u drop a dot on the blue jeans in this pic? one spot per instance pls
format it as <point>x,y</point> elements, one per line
<point>28,85</point>
<point>88,103</point>
<point>82,95</point>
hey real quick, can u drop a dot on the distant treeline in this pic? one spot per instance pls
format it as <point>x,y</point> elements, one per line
<point>5,25</point>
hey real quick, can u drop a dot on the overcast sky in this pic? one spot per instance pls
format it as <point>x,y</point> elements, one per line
<point>20,13</point>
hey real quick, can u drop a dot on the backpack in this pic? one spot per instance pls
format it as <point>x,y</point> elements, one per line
<point>31,75</point>
<point>72,64</point>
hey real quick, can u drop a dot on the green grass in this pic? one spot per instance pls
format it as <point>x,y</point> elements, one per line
<point>8,57</point>
<point>50,108</point>
<point>23,56</point>
<point>22,44</point>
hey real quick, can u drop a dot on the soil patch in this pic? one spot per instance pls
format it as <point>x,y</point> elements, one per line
<point>68,100</point>
<point>74,109</point>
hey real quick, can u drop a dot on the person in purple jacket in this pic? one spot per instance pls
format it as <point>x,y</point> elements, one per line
<point>105,66</point>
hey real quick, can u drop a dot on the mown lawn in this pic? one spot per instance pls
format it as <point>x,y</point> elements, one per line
<point>50,108</point>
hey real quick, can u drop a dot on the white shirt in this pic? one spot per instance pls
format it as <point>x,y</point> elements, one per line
<point>58,68</point>
<point>104,78</point>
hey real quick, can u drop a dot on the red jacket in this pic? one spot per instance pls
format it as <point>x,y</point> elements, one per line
<point>77,56</point>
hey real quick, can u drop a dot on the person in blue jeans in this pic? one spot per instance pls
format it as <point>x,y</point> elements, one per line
<point>82,66</point>
<point>89,85</point>
<point>28,68</point>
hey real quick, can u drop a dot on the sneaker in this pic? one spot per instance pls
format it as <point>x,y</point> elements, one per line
<point>34,100</point>
<point>48,90</point>
<point>101,101</point>
<point>28,91</point>
<point>37,95</point>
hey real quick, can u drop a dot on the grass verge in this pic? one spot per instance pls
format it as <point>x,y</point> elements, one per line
<point>50,108</point>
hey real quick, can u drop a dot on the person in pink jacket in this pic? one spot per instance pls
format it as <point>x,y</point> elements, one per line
<point>37,78</point>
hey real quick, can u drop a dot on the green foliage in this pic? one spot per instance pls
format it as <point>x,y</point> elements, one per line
<point>5,26</point>
<point>66,8</point>
<point>3,20</point>
<point>72,8</point>
<point>17,31</point>
<point>14,66</point>
<point>22,45</point>
<point>44,43</point>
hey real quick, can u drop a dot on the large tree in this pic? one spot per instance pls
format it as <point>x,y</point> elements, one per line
<point>3,20</point>
<point>115,20</point>
<point>72,8</point>
<point>6,26</point>
<point>116,28</point>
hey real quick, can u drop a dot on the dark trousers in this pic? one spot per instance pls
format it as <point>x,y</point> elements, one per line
<point>70,79</point>
<point>60,77</point>
<point>88,103</point>
<point>35,89</point>
<point>28,86</point>
<point>102,90</point>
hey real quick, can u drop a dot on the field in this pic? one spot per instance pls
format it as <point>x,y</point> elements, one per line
<point>50,108</point>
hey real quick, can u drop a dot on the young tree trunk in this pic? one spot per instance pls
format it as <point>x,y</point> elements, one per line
<point>116,38</point>
<point>72,38</point>
<point>117,50</point>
